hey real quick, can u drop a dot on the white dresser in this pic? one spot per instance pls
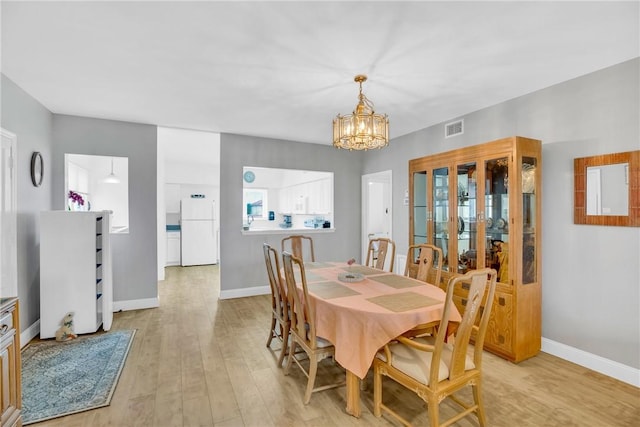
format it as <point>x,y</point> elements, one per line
<point>75,271</point>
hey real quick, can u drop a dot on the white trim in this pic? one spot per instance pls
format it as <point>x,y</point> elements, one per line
<point>594,362</point>
<point>245,292</point>
<point>8,218</point>
<point>30,333</point>
<point>135,304</point>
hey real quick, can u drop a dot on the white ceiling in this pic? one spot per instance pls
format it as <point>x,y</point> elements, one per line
<point>285,69</point>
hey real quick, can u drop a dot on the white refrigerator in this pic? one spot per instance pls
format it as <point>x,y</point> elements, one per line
<point>198,232</point>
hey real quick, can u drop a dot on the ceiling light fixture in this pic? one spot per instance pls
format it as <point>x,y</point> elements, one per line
<point>111,178</point>
<point>363,129</point>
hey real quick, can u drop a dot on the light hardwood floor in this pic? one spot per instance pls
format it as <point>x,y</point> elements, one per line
<point>198,361</point>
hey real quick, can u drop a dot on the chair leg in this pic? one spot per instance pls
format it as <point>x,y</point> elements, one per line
<point>433,407</point>
<point>377,391</point>
<point>477,398</point>
<point>271,331</point>
<point>292,352</point>
<point>313,369</point>
<point>285,344</point>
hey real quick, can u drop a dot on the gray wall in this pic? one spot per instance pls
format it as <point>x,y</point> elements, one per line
<point>591,274</point>
<point>135,275</point>
<point>241,259</point>
<point>31,122</point>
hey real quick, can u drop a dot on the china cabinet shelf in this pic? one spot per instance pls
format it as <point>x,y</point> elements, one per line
<point>471,203</point>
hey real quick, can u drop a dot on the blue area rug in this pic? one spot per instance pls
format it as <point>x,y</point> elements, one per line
<point>62,378</point>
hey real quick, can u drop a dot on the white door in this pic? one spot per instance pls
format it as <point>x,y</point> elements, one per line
<point>8,233</point>
<point>377,218</point>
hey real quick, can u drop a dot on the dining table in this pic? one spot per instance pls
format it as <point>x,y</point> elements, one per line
<point>359,309</point>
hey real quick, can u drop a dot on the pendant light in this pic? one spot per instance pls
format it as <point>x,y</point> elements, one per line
<point>111,178</point>
<point>363,129</point>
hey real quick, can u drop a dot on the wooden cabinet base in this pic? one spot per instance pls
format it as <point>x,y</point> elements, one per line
<point>10,365</point>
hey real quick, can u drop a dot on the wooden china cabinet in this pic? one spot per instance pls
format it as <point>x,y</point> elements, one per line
<point>10,365</point>
<point>482,206</point>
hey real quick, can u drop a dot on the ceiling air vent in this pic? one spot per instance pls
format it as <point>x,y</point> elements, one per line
<point>454,128</point>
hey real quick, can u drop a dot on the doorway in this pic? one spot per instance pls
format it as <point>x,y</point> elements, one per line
<point>188,169</point>
<point>377,215</point>
<point>8,228</point>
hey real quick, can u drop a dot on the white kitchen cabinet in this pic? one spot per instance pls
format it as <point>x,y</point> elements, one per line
<point>284,200</point>
<point>172,198</point>
<point>320,197</point>
<point>75,271</point>
<point>314,197</point>
<point>173,248</point>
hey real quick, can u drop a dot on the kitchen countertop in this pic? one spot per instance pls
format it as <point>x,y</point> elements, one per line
<point>287,231</point>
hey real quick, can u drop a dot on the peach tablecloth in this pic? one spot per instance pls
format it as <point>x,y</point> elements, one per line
<point>358,326</point>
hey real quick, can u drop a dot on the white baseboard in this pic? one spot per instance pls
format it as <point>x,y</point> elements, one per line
<point>135,304</point>
<point>594,362</point>
<point>245,292</point>
<point>30,333</point>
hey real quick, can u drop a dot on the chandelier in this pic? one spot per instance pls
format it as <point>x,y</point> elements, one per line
<point>363,129</point>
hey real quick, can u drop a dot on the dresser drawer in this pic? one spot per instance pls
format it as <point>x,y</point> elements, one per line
<point>6,323</point>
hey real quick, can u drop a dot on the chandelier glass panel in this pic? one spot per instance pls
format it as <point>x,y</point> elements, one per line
<point>363,129</point>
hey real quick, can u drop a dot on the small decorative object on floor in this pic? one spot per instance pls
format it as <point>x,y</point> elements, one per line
<point>65,333</point>
<point>63,379</point>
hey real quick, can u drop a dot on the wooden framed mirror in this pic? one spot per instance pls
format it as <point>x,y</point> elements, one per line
<point>607,189</point>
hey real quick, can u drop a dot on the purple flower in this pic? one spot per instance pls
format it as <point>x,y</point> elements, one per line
<point>75,197</point>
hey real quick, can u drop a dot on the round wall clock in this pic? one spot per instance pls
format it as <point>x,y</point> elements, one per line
<point>37,169</point>
<point>249,176</point>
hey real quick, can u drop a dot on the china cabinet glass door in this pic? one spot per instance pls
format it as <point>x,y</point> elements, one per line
<point>529,229</point>
<point>440,214</point>
<point>420,208</point>
<point>467,209</point>
<point>496,216</point>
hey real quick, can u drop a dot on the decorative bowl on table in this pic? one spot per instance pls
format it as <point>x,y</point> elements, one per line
<point>350,277</point>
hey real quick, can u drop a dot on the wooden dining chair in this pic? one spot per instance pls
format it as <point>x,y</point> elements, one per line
<point>303,327</point>
<point>424,262</point>
<point>437,366</point>
<point>296,244</point>
<point>280,323</point>
<point>377,253</point>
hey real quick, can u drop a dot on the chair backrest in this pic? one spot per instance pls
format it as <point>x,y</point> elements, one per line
<point>296,245</point>
<point>475,319</point>
<point>428,264</point>
<point>377,253</point>
<point>278,287</point>
<point>303,314</point>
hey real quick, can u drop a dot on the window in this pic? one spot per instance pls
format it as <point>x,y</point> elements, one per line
<point>286,198</point>
<point>88,189</point>
<point>255,203</point>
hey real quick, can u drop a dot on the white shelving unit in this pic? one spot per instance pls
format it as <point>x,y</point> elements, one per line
<point>75,271</point>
